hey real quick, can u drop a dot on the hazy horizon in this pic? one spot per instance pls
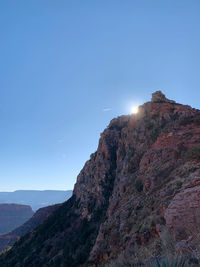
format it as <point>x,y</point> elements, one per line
<point>68,68</point>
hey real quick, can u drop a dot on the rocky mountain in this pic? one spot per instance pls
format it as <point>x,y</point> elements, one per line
<point>13,215</point>
<point>35,198</point>
<point>137,198</point>
<point>10,238</point>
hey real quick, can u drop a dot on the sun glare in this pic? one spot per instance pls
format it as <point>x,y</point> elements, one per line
<point>134,110</point>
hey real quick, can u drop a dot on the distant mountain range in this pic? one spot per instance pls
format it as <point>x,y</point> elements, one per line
<point>35,198</point>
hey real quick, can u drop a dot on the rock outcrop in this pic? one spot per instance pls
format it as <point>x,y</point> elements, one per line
<point>130,197</point>
<point>13,215</point>
<point>185,207</point>
<point>159,97</point>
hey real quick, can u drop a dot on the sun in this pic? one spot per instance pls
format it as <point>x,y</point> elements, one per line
<point>134,110</point>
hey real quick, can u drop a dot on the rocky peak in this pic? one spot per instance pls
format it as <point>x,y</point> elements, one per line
<point>159,97</point>
<point>131,197</point>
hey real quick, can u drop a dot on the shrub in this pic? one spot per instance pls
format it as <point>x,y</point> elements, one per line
<point>178,184</point>
<point>139,185</point>
<point>192,153</point>
<point>170,262</point>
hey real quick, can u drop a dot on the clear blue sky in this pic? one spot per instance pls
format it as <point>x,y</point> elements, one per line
<point>68,67</point>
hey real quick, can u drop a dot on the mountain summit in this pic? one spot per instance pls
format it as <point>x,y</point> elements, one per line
<point>159,97</point>
<point>130,199</point>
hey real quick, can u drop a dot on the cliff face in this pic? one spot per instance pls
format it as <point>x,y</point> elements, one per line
<point>130,199</point>
<point>13,215</point>
<point>10,238</point>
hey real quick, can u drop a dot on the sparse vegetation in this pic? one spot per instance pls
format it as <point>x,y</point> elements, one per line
<point>192,153</point>
<point>174,262</point>
<point>139,185</point>
<point>179,184</point>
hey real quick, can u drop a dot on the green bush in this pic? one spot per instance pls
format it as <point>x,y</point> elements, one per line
<point>192,153</point>
<point>139,185</point>
<point>178,184</point>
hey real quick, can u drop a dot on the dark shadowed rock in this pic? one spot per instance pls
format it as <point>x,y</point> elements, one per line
<point>42,214</point>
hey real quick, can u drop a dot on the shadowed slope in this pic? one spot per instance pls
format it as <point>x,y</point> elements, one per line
<point>13,215</point>
<point>9,239</point>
